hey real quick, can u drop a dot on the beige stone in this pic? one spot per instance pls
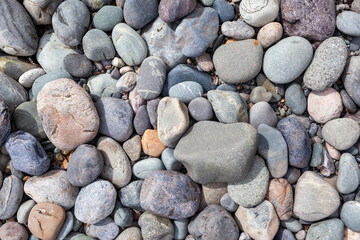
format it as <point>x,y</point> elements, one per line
<point>131,233</point>
<point>280,194</point>
<point>205,63</point>
<point>270,34</point>
<point>212,193</point>
<point>334,154</point>
<point>151,143</point>
<point>132,148</point>
<point>351,235</point>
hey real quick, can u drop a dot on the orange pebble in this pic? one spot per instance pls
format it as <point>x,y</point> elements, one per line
<point>151,143</point>
<point>230,41</point>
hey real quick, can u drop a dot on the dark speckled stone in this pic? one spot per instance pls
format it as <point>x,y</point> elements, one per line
<point>170,194</point>
<point>172,10</point>
<point>138,13</point>
<point>142,121</point>
<point>5,126</point>
<point>130,195</point>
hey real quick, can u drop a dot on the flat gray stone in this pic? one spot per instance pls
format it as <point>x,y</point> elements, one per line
<point>348,22</point>
<point>186,91</point>
<point>295,99</point>
<point>262,113</point>
<point>350,215</point>
<point>349,174</point>
<point>11,194</point>
<point>98,46</point>
<point>350,77</point>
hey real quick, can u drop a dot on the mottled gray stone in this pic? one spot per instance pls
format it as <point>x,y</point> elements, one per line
<point>67,226</point>
<point>317,155</point>
<point>138,13</point>
<point>172,10</point>
<point>332,229</point>
<point>11,92</point>
<point>145,167</point>
<point>259,94</point>
<point>155,228</point>
<point>350,77</point>
<point>5,125</point>
<point>23,212</point>
<point>102,85</point>
<point>41,11</point>
<point>350,215</point>
<point>106,229</point>
<point>262,113</point>
<point>295,99</point>
<point>11,194</point>
<point>200,109</point>
<point>107,17</point>
<point>348,22</point>
<point>98,46</point>
<point>127,82</point>
<point>224,9</point>
<point>130,195</point>
<point>186,91</point>
<point>348,102</point>
<point>348,178</point>
<point>78,65</point>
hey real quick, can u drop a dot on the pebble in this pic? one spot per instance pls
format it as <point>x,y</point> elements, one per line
<point>70,22</point>
<point>95,5</point>
<point>251,190</point>
<point>107,17</point>
<point>98,46</point>
<point>46,188</point>
<point>348,23</point>
<point>280,194</point>
<point>61,119</point>
<point>169,161</point>
<point>116,118</point>
<point>127,82</point>
<point>214,222</point>
<point>151,77</point>
<point>264,227</point>
<point>238,29</point>
<point>284,234</point>
<point>67,226</point>
<point>304,120</point>
<point>227,203</point>
<point>144,168</point>
<point>18,34</point>
<point>209,142</point>
<point>172,10</point>
<point>142,121</point>
<point>128,43</point>
<point>41,11</point>
<point>106,229</point>
<point>207,3</point>
<point>130,195</point>
<point>26,153</point>
<point>123,217</point>
<point>204,24</point>
<point>348,178</point>
<point>341,133</point>
<point>329,229</point>
<point>151,107</point>
<point>78,65</point>
<point>23,212</point>
<point>151,143</point>
<point>138,13</point>
<point>301,235</point>
<point>315,199</point>
<point>279,64</point>
<point>212,193</point>
<point>292,224</point>
<point>349,234</point>
<point>133,233</point>
<point>11,194</point>
<point>200,109</point>
<point>13,231</point>
<point>295,99</point>
<point>28,78</point>
<point>350,215</point>
<point>247,55</point>
<point>298,141</point>
<point>327,65</point>
<point>5,125</point>
<point>14,67</point>
<point>259,94</point>
<point>350,78</point>
<point>270,34</point>
<point>348,102</point>
<point>155,227</point>
<point>11,93</point>
<point>224,10</point>
<point>186,91</point>
<point>317,155</point>
<point>355,6</point>
<point>228,106</point>
<point>180,228</point>
<point>85,165</point>
<point>258,13</point>
<point>273,148</point>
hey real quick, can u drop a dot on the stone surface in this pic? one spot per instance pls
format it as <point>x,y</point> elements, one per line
<point>28,78</point>
<point>142,121</point>
<point>5,125</point>
<point>239,30</point>
<point>170,11</point>
<point>138,13</point>
<point>204,62</point>
<point>67,226</point>
<point>224,9</point>
<point>169,161</point>
<point>262,113</point>
<point>270,34</point>
<point>259,13</point>
<point>200,109</point>
<point>11,92</point>
<point>155,228</point>
<point>348,178</point>
<point>259,94</point>
<point>14,67</point>
<point>144,168</point>
<point>135,100</point>
<point>130,233</point>
<point>295,99</point>
<point>284,234</point>
<point>95,5</point>
<point>186,91</point>
<point>13,231</point>
<point>348,23</point>
<point>11,194</point>
<point>151,143</point>
<point>212,193</point>
<point>127,82</point>
<point>107,17</point>
<point>23,212</point>
<point>292,224</point>
<point>351,235</point>
<point>152,107</point>
<point>41,11</point>
<point>317,155</point>
<point>350,215</point>
<point>329,229</point>
<point>227,203</point>
<point>101,85</point>
<point>216,152</point>
<point>98,46</point>
<point>348,102</point>
<point>78,65</point>
<point>106,229</point>
<point>123,217</point>
<point>350,79</point>
<point>280,194</point>
<point>130,195</point>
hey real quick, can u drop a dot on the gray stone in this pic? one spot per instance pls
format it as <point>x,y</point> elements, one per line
<point>127,82</point>
<point>295,99</point>
<point>200,109</point>
<point>317,155</point>
<point>348,22</point>
<point>227,87</point>
<point>5,125</point>
<point>350,77</point>
<point>155,228</point>
<point>348,178</point>
<point>23,212</point>
<point>106,229</point>
<point>332,229</point>
<point>350,215</point>
<point>224,9</point>
<point>130,195</point>
<point>152,107</point>
<point>259,94</point>
<point>138,13</point>
<point>67,226</point>
<point>259,13</point>
<point>227,203</point>
<point>95,5</point>
<point>98,46</point>
<point>348,102</point>
<point>107,17</point>
<point>102,85</point>
<point>142,121</point>
<point>172,10</point>
<point>262,113</point>
<point>28,78</point>
<point>13,230</point>
<point>292,224</point>
<point>180,228</point>
<point>133,233</point>
<point>11,194</point>
<point>132,147</point>
<point>78,65</point>
<point>145,167</point>
<point>11,92</point>
<point>169,161</point>
<point>284,234</point>
<point>207,3</point>
<point>41,11</point>
<point>123,217</point>
<point>186,91</point>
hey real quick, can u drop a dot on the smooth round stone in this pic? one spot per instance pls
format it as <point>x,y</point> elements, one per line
<point>28,78</point>
<point>116,117</point>
<point>228,106</point>
<point>67,226</point>
<point>13,66</point>
<point>292,224</point>
<point>280,194</point>
<point>350,215</point>
<point>130,195</point>
<point>295,99</point>
<point>329,229</point>
<point>180,228</point>
<point>313,20</point>
<point>262,113</point>
<point>237,29</point>
<point>227,203</point>
<point>172,10</point>
<point>142,121</point>
<point>151,143</point>
<point>350,79</point>
<point>128,43</point>
<point>327,65</point>
<point>251,190</point>
<point>348,178</point>
<point>259,94</point>
<point>135,100</point>
<point>98,46</point>
<point>298,141</point>
<point>127,82</point>
<point>224,10</point>
<point>317,155</point>
<point>17,31</point>
<point>186,91</point>
<point>214,222</point>
<point>133,233</point>
<point>106,229</point>
<point>280,66</point>
<point>26,118</point>
<point>85,165</point>
<point>123,217</point>
<point>78,65</point>
<point>169,161</point>
<point>258,13</point>
<point>11,92</point>
<point>23,212</point>
<point>102,85</point>
<point>156,227</point>
<point>270,34</point>
<point>95,202</point>
<point>227,149</point>
<point>138,13</point>
<point>200,109</point>
<point>170,194</point>
<point>348,22</point>
<point>5,125</point>
<point>238,62</point>
<point>207,3</point>
<point>284,234</point>
<point>26,153</point>
<point>144,168</point>
<point>13,231</point>
<point>347,101</point>
<point>273,148</point>
<point>107,17</point>
<point>194,40</point>
<point>151,77</point>
<point>46,188</point>
<point>151,107</point>
<point>11,194</point>
<point>341,133</point>
<point>95,5</point>
<point>78,236</point>
<point>132,147</point>
<point>315,199</point>
<point>41,11</point>
<point>58,106</point>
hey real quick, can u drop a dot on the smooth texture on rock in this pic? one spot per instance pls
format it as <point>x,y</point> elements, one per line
<point>23,212</point>
<point>200,109</point>
<point>106,229</point>
<point>262,113</point>
<point>13,231</point>
<point>151,143</point>
<point>28,78</point>
<point>133,233</point>
<point>350,78</point>
<point>348,178</point>
<point>67,226</point>
<point>172,10</point>
<point>98,46</point>
<point>258,13</point>
<point>328,230</point>
<point>295,99</point>
<point>11,194</point>
<point>270,34</point>
<point>11,92</point>
<point>348,23</point>
<point>224,9</point>
<point>41,11</point>
<point>101,86</point>
<point>5,125</point>
<point>138,13</point>
<point>280,194</point>
<point>130,195</point>
<point>155,228</point>
<point>142,121</point>
<point>144,168</point>
<point>350,215</point>
<point>169,161</point>
<point>186,91</point>
<point>237,29</point>
<point>107,17</point>
<point>127,82</point>
<point>78,65</point>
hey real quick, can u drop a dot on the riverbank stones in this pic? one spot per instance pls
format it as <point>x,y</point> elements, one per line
<point>130,195</point>
<point>138,13</point>
<point>107,17</point>
<point>106,229</point>
<point>41,11</point>
<point>11,194</point>
<point>270,34</point>
<point>13,231</point>
<point>151,143</point>
<point>238,62</point>
<point>57,104</point>
<point>78,65</point>
<point>224,9</point>
<point>170,11</point>
<point>156,227</point>
<point>350,78</point>
<point>142,121</point>
<point>200,109</point>
<point>207,144</point>
<point>350,215</point>
<point>295,99</point>
<point>348,23</point>
<point>144,168</point>
<point>98,46</point>
<point>239,30</point>
<point>5,125</point>
<point>101,86</point>
<point>11,93</point>
<point>27,78</point>
<point>262,113</point>
<point>280,194</point>
<point>259,13</point>
<point>130,233</point>
<point>348,178</point>
<point>329,229</point>
<point>186,91</point>
<point>23,212</point>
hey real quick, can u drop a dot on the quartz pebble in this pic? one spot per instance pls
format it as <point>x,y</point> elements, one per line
<point>239,30</point>
<point>270,34</point>
<point>259,13</point>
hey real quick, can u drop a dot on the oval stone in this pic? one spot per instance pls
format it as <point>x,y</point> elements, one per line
<point>98,46</point>
<point>350,77</point>
<point>146,167</point>
<point>5,126</point>
<point>102,85</point>
<point>295,99</point>
<point>329,229</point>
<point>350,215</point>
<point>348,23</point>
<point>348,178</point>
<point>42,10</point>
<point>280,194</point>
<point>262,113</point>
<point>11,92</point>
<point>130,195</point>
<point>138,13</point>
<point>257,13</point>
<point>11,194</point>
<point>172,10</point>
<point>200,109</point>
<point>107,17</point>
<point>186,91</point>
<point>78,65</point>
<point>156,227</point>
<point>13,231</point>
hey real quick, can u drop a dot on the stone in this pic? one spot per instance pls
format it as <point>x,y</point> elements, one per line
<point>106,229</point>
<point>214,222</point>
<point>155,227</point>
<point>130,195</point>
<point>348,178</point>
<point>67,226</point>
<point>135,100</point>
<point>347,23</point>
<point>144,168</point>
<point>212,194</point>
<point>123,217</point>
<point>227,203</point>
<point>78,65</point>
<point>186,91</point>
<point>116,118</point>
<point>259,94</point>
<point>85,165</point>
<point>132,147</point>
<point>350,215</point>
<point>317,155</point>
<point>200,109</point>
<point>304,120</point>
<point>169,161</point>
<point>101,85</point>
<point>349,234</point>
<point>315,199</point>
<point>57,104</point>
<point>228,106</point>
<point>127,82</point>
<point>5,125</point>
<point>292,224</point>
<point>46,220</point>
<point>107,17</point>
<point>262,113</point>
<point>270,34</point>
<point>26,153</point>
<point>239,61</point>
<point>23,212</point>
<point>98,46</point>
<point>142,121</point>
<point>151,143</point>
<point>204,24</point>
<point>260,222</point>
<point>295,99</point>
<point>18,34</point>
<point>11,194</point>
<point>77,236</point>
<point>259,13</point>
<point>180,228</point>
<point>41,11</point>
<point>173,121</point>
<point>224,9</point>
<point>204,62</point>
<point>13,231</point>
<point>11,92</point>
<point>348,102</point>
<point>239,30</point>
<point>130,233</point>
<point>280,194</point>
<point>95,5</point>
<point>138,13</point>
<point>28,78</point>
<point>327,65</point>
<point>350,79</point>
<point>14,67</point>
<point>355,6</point>
<point>251,190</point>
<point>329,229</point>
<point>128,43</point>
<point>170,11</point>
<point>152,107</point>
<point>46,188</point>
<point>298,141</point>
<point>341,133</point>
<point>284,234</point>
<point>313,20</point>
<point>170,194</point>
<point>151,77</point>
<point>279,64</point>
<point>211,147</point>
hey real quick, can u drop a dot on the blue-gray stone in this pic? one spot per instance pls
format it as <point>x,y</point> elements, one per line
<point>145,167</point>
<point>151,107</point>
<point>142,120</point>
<point>5,126</point>
<point>352,150</point>
<point>67,226</point>
<point>78,65</point>
<point>180,228</point>
<point>102,85</point>
<point>284,234</point>
<point>123,217</point>
<point>313,129</point>
<point>186,91</point>
<point>138,13</point>
<point>23,212</point>
<point>200,109</point>
<point>11,92</point>
<point>15,172</point>
<point>348,22</point>
<point>226,87</point>
<point>295,99</point>
<point>207,3</point>
<point>26,153</point>
<point>95,5</point>
<point>332,229</point>
<point>317,155</point>
<point>106,229</point>
<point>98,46</point>
<point>224,10</point>
<point>347,101</point>
<point>78,236</point>
<point>350,78</point>
<point>11,194</point>
<point>298,141</point>
<point>130,195</point>
<point>350,215</point>
<point>292,224</point>
<point>169,161</point>
<point>107,17</point>
<point>262,113</point>
<point>227,203</point>
<point>77,225</point>
<point>348,178</point>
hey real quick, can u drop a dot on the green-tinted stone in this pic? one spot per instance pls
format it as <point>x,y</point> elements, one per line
<point>317,155</point>
<point>107,17</point>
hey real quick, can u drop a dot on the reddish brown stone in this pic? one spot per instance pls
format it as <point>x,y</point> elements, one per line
<point>13,231</point>
<point>212,193</point>
<point>172,10</point>
<point>280,194</point>
<point>151,143</point>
